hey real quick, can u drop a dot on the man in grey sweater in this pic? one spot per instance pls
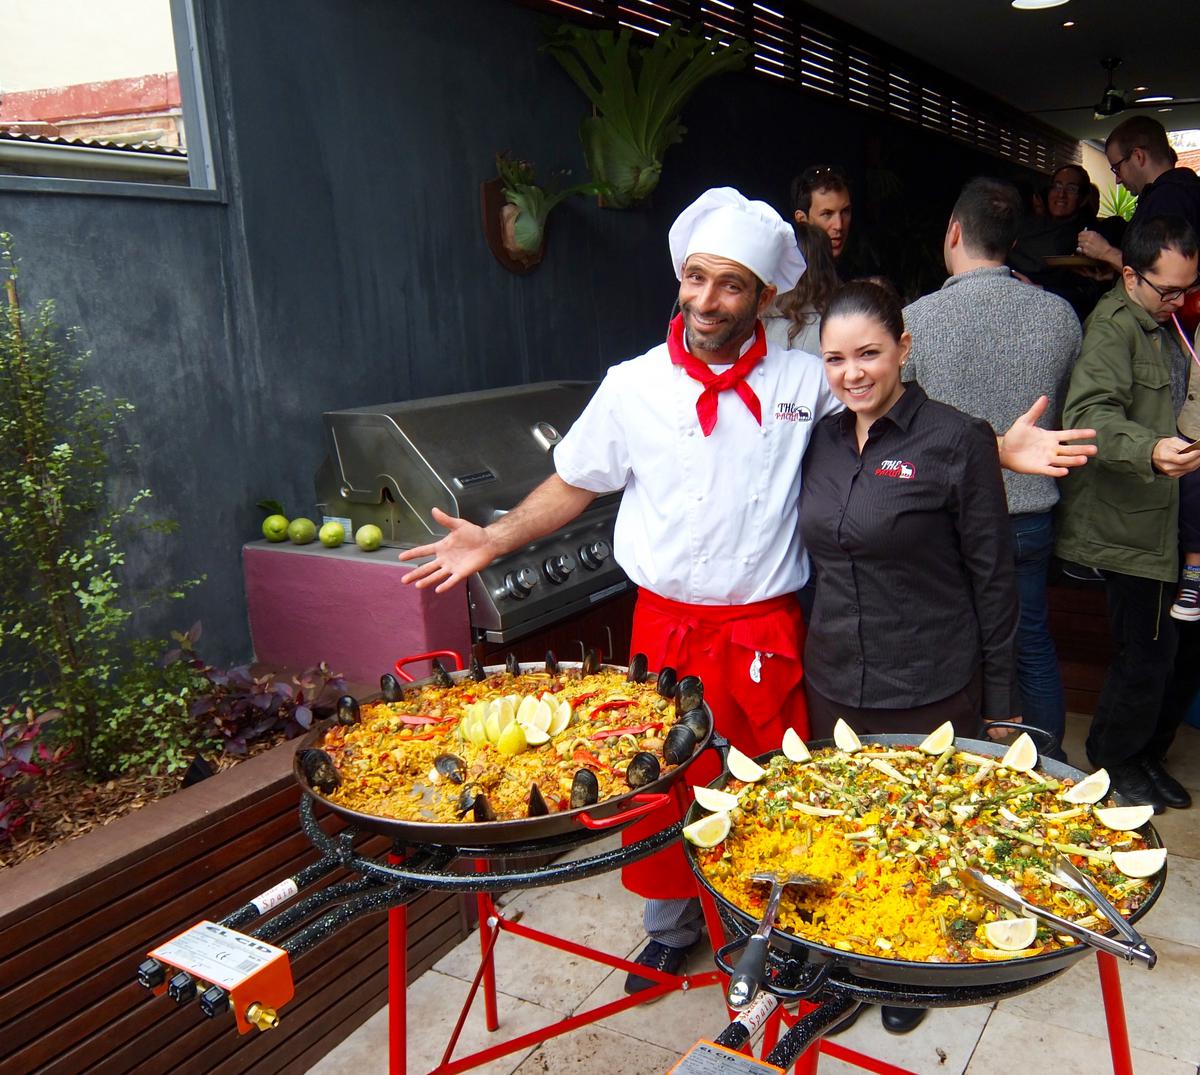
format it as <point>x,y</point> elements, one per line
<point>989,344</point>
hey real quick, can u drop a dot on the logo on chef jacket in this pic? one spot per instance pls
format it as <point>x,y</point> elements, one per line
<point>792,412</point>
<point>895,468</point>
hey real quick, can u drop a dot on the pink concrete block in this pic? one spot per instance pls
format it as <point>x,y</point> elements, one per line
<point>347,608</point>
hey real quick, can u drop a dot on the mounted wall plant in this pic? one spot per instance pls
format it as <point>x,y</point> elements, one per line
<point>637,93</point>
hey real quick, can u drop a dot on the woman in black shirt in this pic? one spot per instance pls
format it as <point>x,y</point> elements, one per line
<point>905,518</point>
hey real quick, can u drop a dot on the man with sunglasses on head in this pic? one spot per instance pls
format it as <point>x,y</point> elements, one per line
<point>1144,163</point>
<point>1120,515</point>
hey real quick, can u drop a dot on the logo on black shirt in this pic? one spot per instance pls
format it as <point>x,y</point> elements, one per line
<point>895,468</point>
<point>792,412</point>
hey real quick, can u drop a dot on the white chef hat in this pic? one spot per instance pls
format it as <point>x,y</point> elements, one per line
<point>726,224</point>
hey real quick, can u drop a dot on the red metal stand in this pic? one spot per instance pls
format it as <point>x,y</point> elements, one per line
<point>491,924</point>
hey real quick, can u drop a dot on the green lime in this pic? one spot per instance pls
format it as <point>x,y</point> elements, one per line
<point>368,538</point>
<point>275,527</point>
<point>332,535</point>
<point>301,531</point>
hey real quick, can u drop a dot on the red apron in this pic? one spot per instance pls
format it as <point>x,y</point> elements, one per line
<point>719,643</point>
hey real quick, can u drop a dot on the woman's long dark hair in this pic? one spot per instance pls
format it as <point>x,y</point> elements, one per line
<point>876,299</point>
<point>806,302</point>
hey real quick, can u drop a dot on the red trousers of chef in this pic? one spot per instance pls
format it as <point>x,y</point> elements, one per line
<point>751,707</point>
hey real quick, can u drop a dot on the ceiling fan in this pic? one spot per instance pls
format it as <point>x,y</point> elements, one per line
<point>1113,100</point>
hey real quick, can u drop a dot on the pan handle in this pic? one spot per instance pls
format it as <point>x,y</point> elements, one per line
<point>458,661</point>
<point>835,1008</point>
<point>1051,742</point>
<point>647,802</point>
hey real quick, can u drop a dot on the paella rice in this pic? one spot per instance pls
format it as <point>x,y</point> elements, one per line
<point>888,831</point>
<point>507,746</point>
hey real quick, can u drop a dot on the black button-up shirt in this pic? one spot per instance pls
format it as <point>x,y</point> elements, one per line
<point>912,547</point>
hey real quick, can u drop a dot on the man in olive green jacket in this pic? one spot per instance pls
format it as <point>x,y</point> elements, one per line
<point>1120,514</point>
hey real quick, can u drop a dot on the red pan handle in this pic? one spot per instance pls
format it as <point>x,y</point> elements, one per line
<point>458,661</point>
<point>647,802</point>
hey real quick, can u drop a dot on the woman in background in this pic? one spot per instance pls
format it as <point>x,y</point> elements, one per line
<point>794,320</point>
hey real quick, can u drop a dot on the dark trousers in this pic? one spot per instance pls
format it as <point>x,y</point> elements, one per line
<point>1143,700</point>
<point>1189,512</point>
<point>1042,701</point>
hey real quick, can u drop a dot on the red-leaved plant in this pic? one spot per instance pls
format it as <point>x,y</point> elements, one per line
<point>25,759</point>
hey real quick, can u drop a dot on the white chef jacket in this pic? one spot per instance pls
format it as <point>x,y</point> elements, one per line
<point>704,520</point>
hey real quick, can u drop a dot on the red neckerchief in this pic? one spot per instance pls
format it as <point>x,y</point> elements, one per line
<point>716,383</point>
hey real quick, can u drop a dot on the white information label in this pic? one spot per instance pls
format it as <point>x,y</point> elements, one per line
<point>273,897</point>
<point>217,954</point>
<point>705,1058</point>
<point>758,1013</point>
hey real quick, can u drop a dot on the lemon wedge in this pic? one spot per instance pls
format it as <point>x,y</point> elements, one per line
<point>939,740</point>
<point>1011,934</point>
<point>1143,863</point>
<point>561,718</point>
<point>794,748</point>
<point>525,709</point>
<point>476,732</point>
<point>1022,756</point>
<point>1091,789</point>
<point>491,723</point>
<point>534,736</point>
<point>994,955</point>
<point>512,740</point>
<point>1124,818</point>
<point>743,768</point>
<point>541,717</point>
<point>506,710</point>
<point>844,737</point>
<point>715,799</point>
<point>709,831</point>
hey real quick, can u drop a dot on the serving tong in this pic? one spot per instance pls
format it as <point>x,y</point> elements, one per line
<point>1133,948</point>
<point>747,977</point>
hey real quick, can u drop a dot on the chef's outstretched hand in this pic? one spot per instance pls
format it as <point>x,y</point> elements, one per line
<point>457,556</point>
<point>1028,449</point>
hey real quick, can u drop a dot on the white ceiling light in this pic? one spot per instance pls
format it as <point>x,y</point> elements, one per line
<point>1036,5</point>
<point>1153,100</point>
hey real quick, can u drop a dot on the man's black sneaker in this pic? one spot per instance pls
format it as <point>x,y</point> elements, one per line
<point>1136,785</point>
<point>1187,597</point>
<point>659,956</point>
<point>901,1020</point>
<point>1169,789</point>
<point>1080,572</point>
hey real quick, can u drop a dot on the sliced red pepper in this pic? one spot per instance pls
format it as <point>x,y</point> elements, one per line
<point>416,719</point>
<point>618,703</point>
<point>583,698</point>
<point>635,729</point>
<point>588,758</point>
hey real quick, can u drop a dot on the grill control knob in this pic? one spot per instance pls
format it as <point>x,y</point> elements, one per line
<point>519,583</point>
<point>557,568</point>
<point>593,554</point>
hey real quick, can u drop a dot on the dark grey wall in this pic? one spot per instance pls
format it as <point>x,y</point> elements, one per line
<point>348,266</point>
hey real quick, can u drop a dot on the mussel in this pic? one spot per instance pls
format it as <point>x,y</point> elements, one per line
<point>639,668</point>
<point>585,789</point>
<point>512,664</point>
<point>551,663</point>
<point>390,685</point>
<point>688,695</point>
<point>466,799</point>
<point>667,680</point>
<point>440,676</point>
<point>451,767</point>
<point>697,720</point>
<point>643,769</point>
<point>347,709</point>
<point>537,802</point>
<point>679,744</point>
<point>482,809</point>
<point>477,672</point>
<point>591,662</point>
<point>319,771</point>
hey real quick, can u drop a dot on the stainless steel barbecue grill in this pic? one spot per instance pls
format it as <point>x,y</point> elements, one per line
<point>475,456</point>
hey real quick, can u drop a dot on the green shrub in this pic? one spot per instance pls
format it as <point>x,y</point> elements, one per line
<point>65,611</point>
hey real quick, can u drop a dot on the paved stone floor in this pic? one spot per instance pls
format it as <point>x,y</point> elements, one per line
<point>1058,1029</point>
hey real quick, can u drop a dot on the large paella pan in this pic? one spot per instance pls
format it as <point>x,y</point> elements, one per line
<point>508,754</point>
<point>896,838</point>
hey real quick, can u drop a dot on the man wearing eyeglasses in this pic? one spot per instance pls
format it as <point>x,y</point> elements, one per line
<point>1121,514</point>
<point>1144,163</point>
